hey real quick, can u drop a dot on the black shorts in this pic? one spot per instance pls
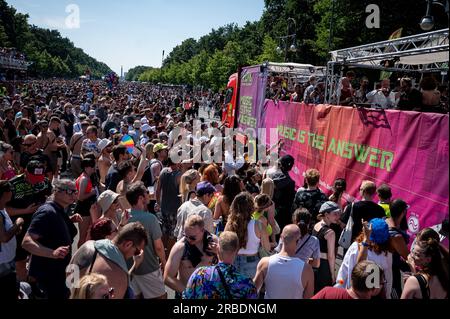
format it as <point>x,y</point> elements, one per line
<point>83,208</point>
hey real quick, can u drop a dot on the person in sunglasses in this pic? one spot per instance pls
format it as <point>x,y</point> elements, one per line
<point>49,239</point>
<point>196,249</point>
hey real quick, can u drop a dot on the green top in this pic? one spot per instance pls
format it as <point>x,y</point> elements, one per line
<point>258,215</point>
<point>386,209</point>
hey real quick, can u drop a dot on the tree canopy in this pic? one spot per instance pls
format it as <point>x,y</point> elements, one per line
<point>211,59</point>
<point>51,54</point>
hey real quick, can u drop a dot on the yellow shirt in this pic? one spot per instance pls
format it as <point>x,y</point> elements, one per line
<point>257,216</point>
<point>386,209</point>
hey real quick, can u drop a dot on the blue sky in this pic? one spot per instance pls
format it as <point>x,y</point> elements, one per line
<point>135,32</point>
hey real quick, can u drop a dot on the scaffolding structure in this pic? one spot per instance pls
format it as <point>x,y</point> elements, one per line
<point>426,52</point>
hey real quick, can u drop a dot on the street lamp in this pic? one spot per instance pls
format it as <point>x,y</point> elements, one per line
<point>427,22</point>
<point>330,37</point>
<point>290,38</point>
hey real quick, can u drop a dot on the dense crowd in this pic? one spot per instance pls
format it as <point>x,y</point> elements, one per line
<point>95,205</point>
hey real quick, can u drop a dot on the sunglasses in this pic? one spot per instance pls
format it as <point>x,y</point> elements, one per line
<point>69,191</point>
<point>191,238</point>
<point>28,145</point>
<point>109,295</point>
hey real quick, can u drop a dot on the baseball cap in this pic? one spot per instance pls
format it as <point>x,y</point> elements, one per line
<point>328,207</point>
<point>204,188</point>
<point>380,231</point>
<point>158,147</point>
<point>92,113</point>
<point>35,168</point>
<point>287,162</point>
<point>113,131</point>
<point>106,199</point>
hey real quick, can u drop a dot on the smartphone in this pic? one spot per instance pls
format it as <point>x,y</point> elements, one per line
<point>136,152</point>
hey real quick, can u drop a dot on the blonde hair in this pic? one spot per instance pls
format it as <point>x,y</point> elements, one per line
<point>149,149</point>
<point>195,220</point>
<point>312,177</point>
<point>368,187</point>
<point>88,285</point>
<point>268,187</point>
<point>186,181</point>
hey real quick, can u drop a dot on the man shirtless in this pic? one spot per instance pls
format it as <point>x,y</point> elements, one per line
<point>198,248</point>
<point>109,258</point>
<point>49,142</point>
<point>105,160</point>
<point>75,147</point>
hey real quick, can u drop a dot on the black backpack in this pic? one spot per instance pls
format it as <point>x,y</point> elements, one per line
<point>147,178</point>
<point>311,200</point>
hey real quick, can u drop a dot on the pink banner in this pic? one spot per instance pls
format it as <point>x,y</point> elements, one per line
<point>409,151</point>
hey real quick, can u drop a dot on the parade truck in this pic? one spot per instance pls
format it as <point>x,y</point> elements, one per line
<point>407,150</point>
<point>286,74</point>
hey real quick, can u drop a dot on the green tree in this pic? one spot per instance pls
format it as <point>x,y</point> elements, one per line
<point>269,52</point>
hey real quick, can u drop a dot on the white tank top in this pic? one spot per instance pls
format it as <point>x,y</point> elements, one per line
<point>253,241</point>
<point>283,279</point>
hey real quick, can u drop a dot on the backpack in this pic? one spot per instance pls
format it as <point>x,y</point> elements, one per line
<point>148,178</point>
<point>311,200</point>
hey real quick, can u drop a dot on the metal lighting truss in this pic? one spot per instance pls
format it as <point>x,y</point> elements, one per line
<point>422,53</point>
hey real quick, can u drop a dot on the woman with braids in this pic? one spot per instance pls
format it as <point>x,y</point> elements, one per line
<point>431,280</point>
<point>250,232</point>
<point>231,188</point>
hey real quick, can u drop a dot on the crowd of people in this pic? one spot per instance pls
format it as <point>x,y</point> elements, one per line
<point>427,95</point>
<point>94,205</point>
<point>11,58</point>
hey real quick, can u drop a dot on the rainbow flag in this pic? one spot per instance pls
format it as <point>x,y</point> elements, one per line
<point>128,142</point>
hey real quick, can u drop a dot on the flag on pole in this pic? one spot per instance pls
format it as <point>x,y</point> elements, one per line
<point>396,35</point>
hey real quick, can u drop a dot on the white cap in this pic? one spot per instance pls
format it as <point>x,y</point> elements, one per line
<point>92,113</point>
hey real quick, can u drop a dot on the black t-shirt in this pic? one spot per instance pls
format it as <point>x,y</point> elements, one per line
<point>12,133</point>
<point>55,229</point>
<point>283,197</point>
<point>112,178</point>
<point>366,210</point>
<point>39,156</point>
<point>24,194</point>
<point>410,100</point>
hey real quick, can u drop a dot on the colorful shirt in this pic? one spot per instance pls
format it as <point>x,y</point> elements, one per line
<point>205,283</point>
